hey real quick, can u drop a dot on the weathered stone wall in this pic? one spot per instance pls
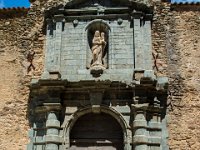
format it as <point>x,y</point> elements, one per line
<point>183,50</point>
<point>21,31</point>
<point>176,35</point>
<point>13,92</point>
<point>19,34</point>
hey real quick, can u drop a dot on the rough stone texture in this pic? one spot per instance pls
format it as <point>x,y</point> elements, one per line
<point>19,33</point>
<point>184,123</point>
<point>176,34</point>
<point>176,37</point>
<point>13,92</point>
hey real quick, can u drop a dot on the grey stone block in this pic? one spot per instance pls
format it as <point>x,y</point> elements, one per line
<point>140,124</point>
<point>138,139</point>
<point>53,123</point>
<point>51,147</point>
<point>155,125</point>
<point>39,147</point>
<point>84,71</point>
<point>31,133</point>
<point>52,131</point>
<point>39,139</point>
<point>29,146</point>
<point>149,74</point>
<point>162,83</point>
<point>140,131</point>
<point>53,139</point>
<point>122,109</point>
<point>155,140</point>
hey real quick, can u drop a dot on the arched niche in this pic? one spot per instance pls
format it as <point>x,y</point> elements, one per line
<point>103,27</point>
<point>70,123</point>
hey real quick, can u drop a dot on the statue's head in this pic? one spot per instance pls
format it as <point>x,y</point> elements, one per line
<point>97,33</point>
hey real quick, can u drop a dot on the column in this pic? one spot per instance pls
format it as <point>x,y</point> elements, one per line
<point>155,132</point>
<point>52,134</point>
<point>140,136</point>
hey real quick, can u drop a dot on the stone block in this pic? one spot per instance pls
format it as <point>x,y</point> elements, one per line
<point>31,133</point>
<point>52,131</point>
<point>155,140</point>
<point>140,131</point>
<point>53,123</point>
<point>140,124</point>
<point>39,147</point>
<point>29,146</point>
<point>96,97</point>
<point>53,139</point>
<point>162,83</point>
<point>83,71</point>
<point>54,75</point>
<point>149,74</point>
<point>155,125</point>
<point>122,109</point>
<point>39,139</point>
<point>71,110</point>
<point>82,77</point>
<point>51,147</point>
<point>139,139</point>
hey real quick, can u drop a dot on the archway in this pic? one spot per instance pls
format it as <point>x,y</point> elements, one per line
<point>96,131</point>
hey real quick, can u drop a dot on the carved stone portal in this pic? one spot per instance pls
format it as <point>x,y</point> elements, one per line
<point>98,52</point>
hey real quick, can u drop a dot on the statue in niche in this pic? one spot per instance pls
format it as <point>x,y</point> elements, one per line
<point>98,48</point>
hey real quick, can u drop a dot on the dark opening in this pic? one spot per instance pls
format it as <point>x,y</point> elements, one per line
<point>96,131</point>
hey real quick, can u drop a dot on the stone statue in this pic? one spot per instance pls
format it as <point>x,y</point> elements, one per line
<point>98,48</point>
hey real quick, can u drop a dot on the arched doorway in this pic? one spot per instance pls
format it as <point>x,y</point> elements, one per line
<point>96,132</point>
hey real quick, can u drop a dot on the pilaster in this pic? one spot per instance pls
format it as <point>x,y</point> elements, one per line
<point>142,40</point>
<point>137,31</point>
<point>52,138</point>
<point>147,42</point>
<point>55,27</point>
<point>139,125</point>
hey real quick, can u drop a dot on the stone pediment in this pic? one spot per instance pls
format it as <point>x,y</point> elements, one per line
<point>108,6</point>
<point>79,3</point>
<point>93,3</point>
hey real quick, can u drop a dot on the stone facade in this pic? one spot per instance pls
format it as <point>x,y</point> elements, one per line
<point>175,34</point>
